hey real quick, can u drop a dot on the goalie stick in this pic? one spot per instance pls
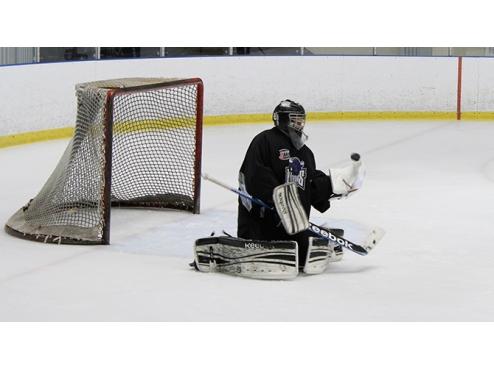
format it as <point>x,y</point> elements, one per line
<point>372,239</point>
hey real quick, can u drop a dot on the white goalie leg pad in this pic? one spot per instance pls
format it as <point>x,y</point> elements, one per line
<point>247,258</point>
<point>320,254</point>
<point>289,207</point>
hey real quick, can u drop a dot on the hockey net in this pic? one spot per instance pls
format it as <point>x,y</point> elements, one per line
<point>137,143</point>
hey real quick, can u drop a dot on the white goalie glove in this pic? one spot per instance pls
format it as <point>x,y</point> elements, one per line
<point>347,180</point>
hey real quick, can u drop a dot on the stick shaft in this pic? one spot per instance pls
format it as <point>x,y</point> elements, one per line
<point>237,191</point>
<point>315,229</point>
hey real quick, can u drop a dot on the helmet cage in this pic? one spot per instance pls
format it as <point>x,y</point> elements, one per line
<point>296,121</point>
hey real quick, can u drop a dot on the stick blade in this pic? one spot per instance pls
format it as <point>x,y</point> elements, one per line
<point>374,238</point>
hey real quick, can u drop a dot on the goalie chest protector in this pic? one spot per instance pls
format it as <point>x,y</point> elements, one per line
<point>272,160</point>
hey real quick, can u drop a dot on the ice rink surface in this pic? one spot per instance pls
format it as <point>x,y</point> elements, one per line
<point>430,185</point>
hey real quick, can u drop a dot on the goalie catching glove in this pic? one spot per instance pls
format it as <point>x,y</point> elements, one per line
<point>347,180</point>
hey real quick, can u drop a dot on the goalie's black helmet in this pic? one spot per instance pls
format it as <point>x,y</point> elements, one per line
<point>289,117</point>
<point>283,111</point>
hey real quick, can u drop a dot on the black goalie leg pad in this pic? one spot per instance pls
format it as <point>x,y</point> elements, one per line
<point>248,258</point>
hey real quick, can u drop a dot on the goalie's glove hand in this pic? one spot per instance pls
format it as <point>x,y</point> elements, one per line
<point>347,180</point>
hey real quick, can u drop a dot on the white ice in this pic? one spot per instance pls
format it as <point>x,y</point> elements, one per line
<point>430,185</point>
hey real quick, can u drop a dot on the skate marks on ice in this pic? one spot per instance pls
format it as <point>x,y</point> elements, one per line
<point>56,262</point>
<point>176,235</point>
<point>390,142</point>
<point>488,169</point>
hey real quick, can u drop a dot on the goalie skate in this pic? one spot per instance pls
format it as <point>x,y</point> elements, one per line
<point>247,258</point>
<point>320,254</point>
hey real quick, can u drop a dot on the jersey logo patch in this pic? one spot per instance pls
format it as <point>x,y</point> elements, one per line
<point>296,172</point>
<point>284,154</point>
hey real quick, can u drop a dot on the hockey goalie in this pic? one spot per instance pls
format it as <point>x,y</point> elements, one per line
<point>278,185</point>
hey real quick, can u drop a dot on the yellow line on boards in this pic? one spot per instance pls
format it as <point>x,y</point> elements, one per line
<point>234,119</point>
<point>34,136</point>
<point>330,116</point>
<point>477,116</point>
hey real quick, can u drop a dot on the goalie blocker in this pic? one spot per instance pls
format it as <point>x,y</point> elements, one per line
<point>290,209</point>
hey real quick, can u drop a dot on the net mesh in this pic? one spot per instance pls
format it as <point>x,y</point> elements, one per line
<point>153,162</point>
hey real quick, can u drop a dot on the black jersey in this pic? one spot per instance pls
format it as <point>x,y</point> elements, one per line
<point>272,160</point>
